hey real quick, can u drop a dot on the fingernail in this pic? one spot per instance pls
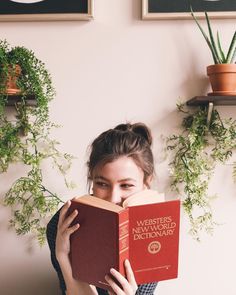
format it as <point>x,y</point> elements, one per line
<point>112,270</point>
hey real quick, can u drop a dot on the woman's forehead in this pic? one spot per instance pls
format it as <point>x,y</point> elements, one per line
<point>121,168</point>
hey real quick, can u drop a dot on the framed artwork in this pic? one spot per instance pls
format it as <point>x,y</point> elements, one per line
<point>45,10</point>
<point>180,9</point>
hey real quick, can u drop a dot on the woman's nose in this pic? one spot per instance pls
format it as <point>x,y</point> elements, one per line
<point>116,197</point>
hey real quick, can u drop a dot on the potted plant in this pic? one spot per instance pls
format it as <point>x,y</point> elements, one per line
<point>195,151</point>
<point>20,66</point>
<point>31,202</point>
<point>222,74</point>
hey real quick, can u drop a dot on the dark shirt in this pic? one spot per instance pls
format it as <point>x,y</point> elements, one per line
<point>145,289</point>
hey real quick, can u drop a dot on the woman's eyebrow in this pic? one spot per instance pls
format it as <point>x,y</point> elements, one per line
<point>101,177</point>
<point>121,180</point>
<point>127,179</point>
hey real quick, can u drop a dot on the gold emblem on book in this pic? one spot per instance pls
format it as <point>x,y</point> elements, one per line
<point>154,247</point>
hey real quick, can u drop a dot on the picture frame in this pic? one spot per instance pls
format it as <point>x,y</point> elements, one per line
<point>46,10</point>
<point>169,9</point>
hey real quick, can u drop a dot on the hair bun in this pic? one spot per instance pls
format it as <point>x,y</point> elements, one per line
<point>124,127</point>
<point>138,128</point>
<point>143,130</point>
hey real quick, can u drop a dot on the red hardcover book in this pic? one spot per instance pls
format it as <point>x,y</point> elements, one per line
<point>147,234</point>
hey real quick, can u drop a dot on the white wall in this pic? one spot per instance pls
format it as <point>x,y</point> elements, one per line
<point>113,69</point>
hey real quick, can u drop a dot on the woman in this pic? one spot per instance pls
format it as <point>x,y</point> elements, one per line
<point>120,164</point>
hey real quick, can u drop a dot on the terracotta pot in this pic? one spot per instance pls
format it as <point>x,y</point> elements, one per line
<point>222,78</point>
<point>12,77</point>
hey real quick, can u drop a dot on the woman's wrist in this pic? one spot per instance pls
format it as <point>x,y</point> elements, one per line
<point>62,258</point>
<point>65,265</point>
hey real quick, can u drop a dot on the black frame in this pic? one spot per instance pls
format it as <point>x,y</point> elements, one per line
<point>46,10</point>
<point>180,9</point>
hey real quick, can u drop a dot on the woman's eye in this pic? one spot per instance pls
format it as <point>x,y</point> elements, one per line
<point>127,185</point>
<point>101,184</point>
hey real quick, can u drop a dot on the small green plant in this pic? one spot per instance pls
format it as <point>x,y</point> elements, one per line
<point>196,151</point>
<point>26,140</point>
<point>217,52</point>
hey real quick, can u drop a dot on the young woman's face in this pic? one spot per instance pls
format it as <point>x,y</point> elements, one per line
<point>117,180</point>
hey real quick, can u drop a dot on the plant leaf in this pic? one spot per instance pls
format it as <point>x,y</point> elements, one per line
<point>220,49</point>
<point>212,39</point>
<point>232,50</point>
<point>206,37</point>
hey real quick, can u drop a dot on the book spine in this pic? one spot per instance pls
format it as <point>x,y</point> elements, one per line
<point>123,239</point>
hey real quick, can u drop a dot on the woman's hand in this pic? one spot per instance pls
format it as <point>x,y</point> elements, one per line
<point>64,230</point>
<point>129,285</point>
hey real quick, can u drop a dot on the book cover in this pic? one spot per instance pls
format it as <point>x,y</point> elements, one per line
<point>101,241</point>
<point>147,234</point>
<point>154,241</point>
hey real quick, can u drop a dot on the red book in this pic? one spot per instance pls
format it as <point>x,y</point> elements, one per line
<point>147,234</point>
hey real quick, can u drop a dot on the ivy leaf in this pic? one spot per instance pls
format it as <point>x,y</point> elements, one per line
<point>195,153</point>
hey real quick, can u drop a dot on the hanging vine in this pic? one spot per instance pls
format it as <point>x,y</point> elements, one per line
<point>196,151</point>
<point>26,140</point>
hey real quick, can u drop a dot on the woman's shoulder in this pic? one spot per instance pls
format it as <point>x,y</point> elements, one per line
<point>51,230</point>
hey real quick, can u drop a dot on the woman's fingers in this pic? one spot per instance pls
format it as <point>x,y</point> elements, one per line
<point>63,213</point>
<point>68,220</point>
<point>64,230</point>
<point>127,286</point>
<point>72,229</point>
<point>65,221</point>
<point>129,272</point>
<point>111,282</point>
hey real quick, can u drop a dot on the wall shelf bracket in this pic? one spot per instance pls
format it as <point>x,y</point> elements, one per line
<point>209,114</point>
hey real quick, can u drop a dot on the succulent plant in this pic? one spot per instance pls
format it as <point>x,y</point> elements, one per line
<point>214,44</point>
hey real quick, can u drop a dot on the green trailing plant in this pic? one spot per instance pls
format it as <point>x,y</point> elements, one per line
<point>26,140</point>
<point>214,43</point>
<point>196,151</point>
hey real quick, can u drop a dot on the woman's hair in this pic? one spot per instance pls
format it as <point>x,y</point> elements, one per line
<point>130,140</point>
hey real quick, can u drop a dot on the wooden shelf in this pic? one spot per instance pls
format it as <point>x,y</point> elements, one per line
<point>13,99</point>
<point>216,100</point>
